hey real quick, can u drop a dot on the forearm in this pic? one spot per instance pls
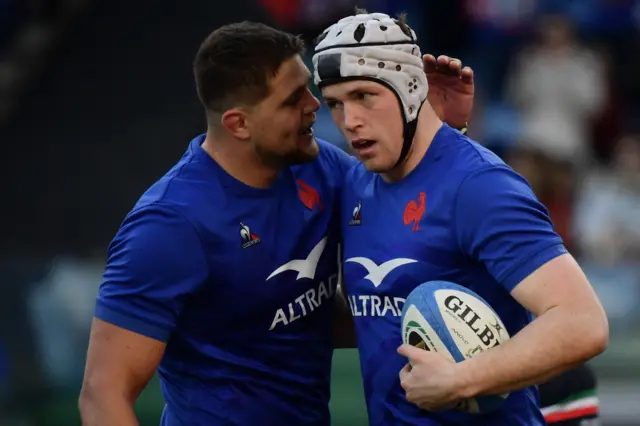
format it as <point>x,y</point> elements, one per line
<point>105,409</point>
<point>554,342</point>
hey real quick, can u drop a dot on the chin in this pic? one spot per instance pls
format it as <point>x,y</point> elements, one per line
<point>306,155</point>
<point>375,166</point>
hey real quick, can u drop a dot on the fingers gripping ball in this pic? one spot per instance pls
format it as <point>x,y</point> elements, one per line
<point>457,323</point>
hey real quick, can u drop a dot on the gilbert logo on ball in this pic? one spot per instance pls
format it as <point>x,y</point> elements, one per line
<point>457,323</point>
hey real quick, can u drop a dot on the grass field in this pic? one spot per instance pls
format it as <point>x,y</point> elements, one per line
<point>347,402</point>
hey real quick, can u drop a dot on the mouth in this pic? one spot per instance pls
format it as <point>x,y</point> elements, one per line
<point>362,146</point>
<point>307,131</point>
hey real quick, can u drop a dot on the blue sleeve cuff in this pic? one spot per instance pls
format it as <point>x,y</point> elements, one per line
<point>528,266</point>
<point>131,323</point>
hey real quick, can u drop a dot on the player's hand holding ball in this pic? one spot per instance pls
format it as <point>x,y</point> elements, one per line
<point>429,380</point>
<point>443,325</point>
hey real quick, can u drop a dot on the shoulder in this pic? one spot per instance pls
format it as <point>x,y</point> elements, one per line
<point>149,223</point>
<point>470,156</point>
<point>465,161</point>
<point>190,189</point>
<point>330,166</point>
<point>358,174</point>
<point>476,177</point>
<point>333,156</point>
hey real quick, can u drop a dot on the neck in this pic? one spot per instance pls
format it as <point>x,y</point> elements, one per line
<point>428,126</point>
<point>239,160</point>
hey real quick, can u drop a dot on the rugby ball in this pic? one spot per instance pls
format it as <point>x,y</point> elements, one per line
<point>454,321</point>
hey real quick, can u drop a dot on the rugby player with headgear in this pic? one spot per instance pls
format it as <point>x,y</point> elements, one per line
<point>433,204</point>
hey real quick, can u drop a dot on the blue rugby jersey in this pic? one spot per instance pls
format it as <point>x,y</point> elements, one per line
<point>461,216</point>
<point>239,283</point>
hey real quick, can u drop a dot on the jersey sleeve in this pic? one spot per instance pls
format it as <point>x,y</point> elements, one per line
<point>500,223</point>
<point>154,263</point>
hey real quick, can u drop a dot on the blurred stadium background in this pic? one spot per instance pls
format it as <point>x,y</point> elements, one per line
<point>97,101</point>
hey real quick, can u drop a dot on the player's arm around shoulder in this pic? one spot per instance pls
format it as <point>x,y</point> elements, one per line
<point>155,262</point>
<point>509,231</point>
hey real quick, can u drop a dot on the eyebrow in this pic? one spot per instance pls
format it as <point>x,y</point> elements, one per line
<point>299,91</point>
<point>349,95</point>
<point>295,94</point>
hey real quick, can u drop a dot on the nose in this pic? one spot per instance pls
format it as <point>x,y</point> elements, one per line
<point>352,118</point>
<point>313,105</point>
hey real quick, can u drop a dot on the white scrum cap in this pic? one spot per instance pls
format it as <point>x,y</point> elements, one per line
<point>374,47</point>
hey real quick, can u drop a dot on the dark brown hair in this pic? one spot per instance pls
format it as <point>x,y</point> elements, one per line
<point>235,62</point>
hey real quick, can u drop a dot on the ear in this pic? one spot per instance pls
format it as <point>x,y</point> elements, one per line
<point>236,122</point>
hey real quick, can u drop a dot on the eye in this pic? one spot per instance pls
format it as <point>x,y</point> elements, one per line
<point>333,104</point>
<point>292,102</point>
<point>363,96</point>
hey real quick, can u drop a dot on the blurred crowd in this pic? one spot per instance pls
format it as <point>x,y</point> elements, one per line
<point>558,97</point>
<point>567,120</point>
<point>30,31</point>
